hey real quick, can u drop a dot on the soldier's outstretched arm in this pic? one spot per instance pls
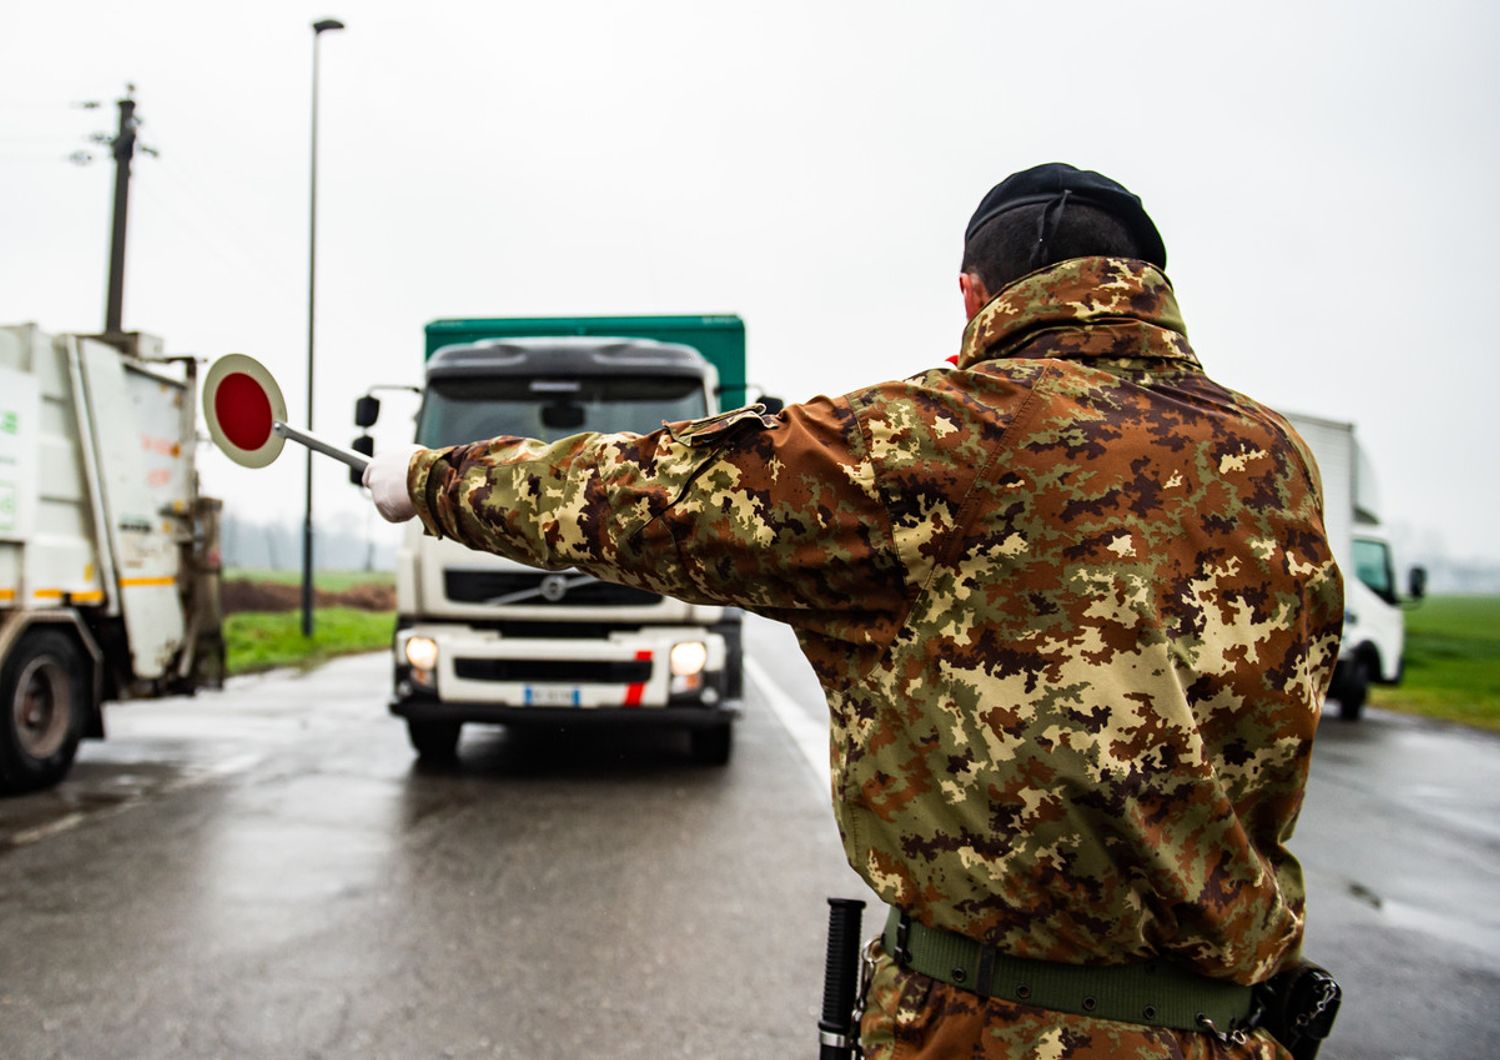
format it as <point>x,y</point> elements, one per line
<point>779,515</point>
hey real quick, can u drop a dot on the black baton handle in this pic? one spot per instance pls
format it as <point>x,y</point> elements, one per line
<point>837,1035</point>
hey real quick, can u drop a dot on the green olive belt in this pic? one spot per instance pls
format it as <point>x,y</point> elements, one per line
<point>1156,993</point>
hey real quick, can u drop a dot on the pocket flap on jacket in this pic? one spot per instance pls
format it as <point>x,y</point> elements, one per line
<point>712,429</point>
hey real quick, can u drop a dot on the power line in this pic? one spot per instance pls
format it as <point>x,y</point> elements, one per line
<point>46,139</point>
<point>50,104</point>
<point>183,185</point>
<point>49,158</point>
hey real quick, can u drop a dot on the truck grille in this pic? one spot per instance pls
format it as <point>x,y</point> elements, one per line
<point>562,671</point>
<point>553,630</point>
<point>478,587</point>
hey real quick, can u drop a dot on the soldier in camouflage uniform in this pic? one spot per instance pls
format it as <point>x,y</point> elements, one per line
<point>1071,603</point>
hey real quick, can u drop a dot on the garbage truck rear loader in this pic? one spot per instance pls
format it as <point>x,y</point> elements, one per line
<point>108,555</point>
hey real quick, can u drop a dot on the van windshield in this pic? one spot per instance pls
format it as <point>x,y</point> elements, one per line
<point>1372,565</point>
<point>469,410</point>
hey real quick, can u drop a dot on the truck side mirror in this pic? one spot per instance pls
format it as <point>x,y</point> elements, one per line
<point>363,444</point>
<point>366,411</point>
<point>773,404</point>
<point>1416,583</point>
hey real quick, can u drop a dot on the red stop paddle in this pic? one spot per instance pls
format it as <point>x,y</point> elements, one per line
<point>246,415</point>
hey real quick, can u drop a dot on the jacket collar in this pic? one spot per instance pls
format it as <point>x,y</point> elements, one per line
<point>1088,293</point>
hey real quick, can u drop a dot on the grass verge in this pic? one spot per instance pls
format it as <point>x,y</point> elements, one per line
<point>333,581</point>
<point>261,640</point>
<point>1452,662</point>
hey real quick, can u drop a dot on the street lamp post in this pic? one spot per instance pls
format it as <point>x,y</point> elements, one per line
<point>319,28</point>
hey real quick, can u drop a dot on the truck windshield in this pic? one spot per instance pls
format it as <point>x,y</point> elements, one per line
<point>468,410</point>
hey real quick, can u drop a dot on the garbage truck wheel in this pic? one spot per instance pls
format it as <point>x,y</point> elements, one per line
<point>44,695</point>
<point>436,741</point>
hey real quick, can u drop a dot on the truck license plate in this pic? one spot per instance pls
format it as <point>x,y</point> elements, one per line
<point>551,696</point>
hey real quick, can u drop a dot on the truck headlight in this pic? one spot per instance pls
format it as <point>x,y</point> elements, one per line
<point>688,658</point>
<point>422,653</point>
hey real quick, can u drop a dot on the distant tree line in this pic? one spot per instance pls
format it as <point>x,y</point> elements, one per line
<point>1446,572</point>
<point>342,542</point>
<point>1446,575</point>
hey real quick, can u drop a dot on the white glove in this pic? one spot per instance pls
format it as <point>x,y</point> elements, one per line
<point>386,478</point>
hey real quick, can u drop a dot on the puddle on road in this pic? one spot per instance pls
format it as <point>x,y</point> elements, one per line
<point>90,790</point>
<point>1466,930</point>
<point>101,788</point>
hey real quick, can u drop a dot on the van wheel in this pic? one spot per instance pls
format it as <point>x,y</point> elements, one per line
<point>1354,690</point>
<point>712,744</point>
<point>435,741</point>
<point>44,695</point>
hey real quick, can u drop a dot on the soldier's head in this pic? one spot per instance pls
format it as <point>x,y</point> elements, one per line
<point>1046,214</point>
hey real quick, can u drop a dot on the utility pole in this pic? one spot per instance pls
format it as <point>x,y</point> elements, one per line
<point>123,146</point>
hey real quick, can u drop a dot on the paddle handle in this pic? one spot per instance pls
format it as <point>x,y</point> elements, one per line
<point>358,461</point>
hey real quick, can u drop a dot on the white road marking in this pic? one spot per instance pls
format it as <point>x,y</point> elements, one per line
<point>213,771</point>
<point>195,776</point>
<point>51,828</point>
<point>810,737</point>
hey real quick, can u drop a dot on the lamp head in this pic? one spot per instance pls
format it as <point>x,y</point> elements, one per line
<point>325,24</point>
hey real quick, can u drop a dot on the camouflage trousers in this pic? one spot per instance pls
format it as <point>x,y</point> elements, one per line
<point>909,1016</point>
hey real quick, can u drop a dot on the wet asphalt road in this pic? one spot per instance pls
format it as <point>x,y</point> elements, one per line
<point>266,872</point>
<point>1400,845</point>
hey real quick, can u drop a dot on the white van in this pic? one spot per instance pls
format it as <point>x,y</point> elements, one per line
<point>1374,625</point>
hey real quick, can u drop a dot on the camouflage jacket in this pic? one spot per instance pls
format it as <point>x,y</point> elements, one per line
<point>1072,605</point>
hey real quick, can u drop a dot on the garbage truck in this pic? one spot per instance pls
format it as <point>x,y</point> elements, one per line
<point>109,577</point>
<point>1373,647</point>
<point>480,638</point>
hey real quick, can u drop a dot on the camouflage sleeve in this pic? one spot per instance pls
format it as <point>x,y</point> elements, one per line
<point>779,515</point>
<point>1304,453</point>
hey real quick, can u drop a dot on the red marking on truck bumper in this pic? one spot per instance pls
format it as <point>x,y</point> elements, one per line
<point>634,692</point>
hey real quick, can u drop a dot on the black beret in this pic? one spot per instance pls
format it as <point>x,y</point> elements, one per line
<point>1046,183</point>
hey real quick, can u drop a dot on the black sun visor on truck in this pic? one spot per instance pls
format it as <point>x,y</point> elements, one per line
<point>462,409</point>
<point>566,356</point>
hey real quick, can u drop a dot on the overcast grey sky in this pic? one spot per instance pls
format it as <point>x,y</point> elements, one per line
<point>1323,174</point>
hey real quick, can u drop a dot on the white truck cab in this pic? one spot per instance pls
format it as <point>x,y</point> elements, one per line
<point>483,639</point>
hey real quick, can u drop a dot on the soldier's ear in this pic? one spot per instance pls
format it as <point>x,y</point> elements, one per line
<point>976,294</point>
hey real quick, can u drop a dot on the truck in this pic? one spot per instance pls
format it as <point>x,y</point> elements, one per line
<point>109,577</point>
<point>1372,650</point>
<point>482,639</point>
